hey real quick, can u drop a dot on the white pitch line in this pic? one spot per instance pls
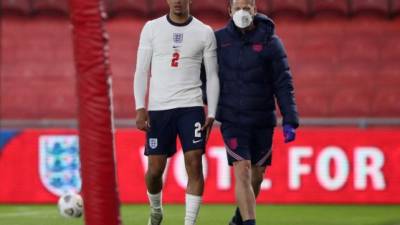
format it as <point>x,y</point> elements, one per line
<point>30,213</point>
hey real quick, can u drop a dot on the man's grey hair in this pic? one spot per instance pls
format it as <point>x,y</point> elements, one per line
<point>231,2</point>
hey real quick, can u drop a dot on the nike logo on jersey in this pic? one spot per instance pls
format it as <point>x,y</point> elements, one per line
<point>176,46</point>
<point>198,141</point>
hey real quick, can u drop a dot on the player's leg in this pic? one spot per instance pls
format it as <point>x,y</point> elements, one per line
<point>155,171</point>
<point>257,177</point>
<point>194,169</point>
<point>160,144</point>
<point>156,167</point>
<point>261,157</point>
<point>237,142</point>
<point>195,186</point>
<point>190,121</point>
<point>244,193</point>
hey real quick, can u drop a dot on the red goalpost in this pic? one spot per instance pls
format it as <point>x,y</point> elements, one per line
<point>96,132</point>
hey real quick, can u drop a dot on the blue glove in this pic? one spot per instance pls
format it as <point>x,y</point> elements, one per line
<point>289,133</point>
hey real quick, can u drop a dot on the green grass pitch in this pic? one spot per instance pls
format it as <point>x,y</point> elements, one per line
<point>218,215</point>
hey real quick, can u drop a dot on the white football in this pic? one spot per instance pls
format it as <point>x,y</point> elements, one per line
<point>70,205</point>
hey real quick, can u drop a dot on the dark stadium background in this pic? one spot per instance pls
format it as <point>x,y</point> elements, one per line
<point>344,58</point>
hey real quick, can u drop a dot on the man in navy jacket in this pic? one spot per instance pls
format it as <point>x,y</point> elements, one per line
<point>253,73</point>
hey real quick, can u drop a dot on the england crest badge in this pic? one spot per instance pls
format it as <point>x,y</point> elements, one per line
<point>59,163</point>
<point>178,38</point>
<point>153,143</point>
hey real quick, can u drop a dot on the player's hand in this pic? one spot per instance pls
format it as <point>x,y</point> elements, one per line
<point>208,126</point>
<point>142,120</point>
<point>289,133</point>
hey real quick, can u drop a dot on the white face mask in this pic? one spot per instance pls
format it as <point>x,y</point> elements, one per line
<point>242,18</point>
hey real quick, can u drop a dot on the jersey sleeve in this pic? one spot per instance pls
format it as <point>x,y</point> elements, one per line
<point>146,37</point>
<point>144,55</point>
<point>210,48</point>
<point>211,69</point>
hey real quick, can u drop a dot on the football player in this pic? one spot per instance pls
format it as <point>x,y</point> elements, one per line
<point>172,49</point>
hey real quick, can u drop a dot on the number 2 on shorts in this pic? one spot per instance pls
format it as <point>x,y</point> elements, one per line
<point>197,130</point>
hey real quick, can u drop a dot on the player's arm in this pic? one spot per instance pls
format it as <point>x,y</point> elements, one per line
<point>284,90</point>
<point>144,55</point>
<point>212,87</point>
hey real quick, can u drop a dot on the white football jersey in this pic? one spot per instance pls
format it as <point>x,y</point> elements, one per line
<point>177,51</point>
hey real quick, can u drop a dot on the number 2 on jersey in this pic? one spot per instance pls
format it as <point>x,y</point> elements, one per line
<point>175,59</point>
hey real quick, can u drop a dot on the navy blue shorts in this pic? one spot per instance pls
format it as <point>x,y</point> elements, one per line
<point>166,125</point>
<point>253,144</point>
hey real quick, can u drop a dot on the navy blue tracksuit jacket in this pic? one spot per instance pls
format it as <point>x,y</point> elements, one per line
<point>253,72</point>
